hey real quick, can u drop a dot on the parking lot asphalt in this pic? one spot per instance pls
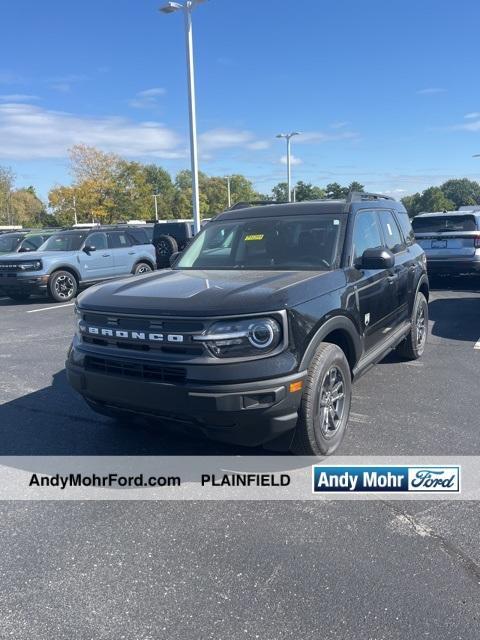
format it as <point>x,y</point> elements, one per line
<point>347,570</point>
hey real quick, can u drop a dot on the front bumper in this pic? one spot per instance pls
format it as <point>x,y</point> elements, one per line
<point>247,413</point>
<point>23,282</point>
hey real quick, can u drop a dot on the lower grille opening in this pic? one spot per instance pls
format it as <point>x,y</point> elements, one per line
<point>143,371</point>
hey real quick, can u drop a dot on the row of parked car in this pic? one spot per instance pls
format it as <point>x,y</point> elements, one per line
<point>59,262</point>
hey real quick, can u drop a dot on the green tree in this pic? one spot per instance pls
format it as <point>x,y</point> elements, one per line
<point>356,186</point>
<point>307,191</point>
<point>28,210</point>
<point>461,192</point>
<point>7,181</point>
<point>432,199</point>
<point>280,192</point>
<point>335,191</point>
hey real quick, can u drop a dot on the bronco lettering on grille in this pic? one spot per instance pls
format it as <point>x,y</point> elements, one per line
<point>132,335</point>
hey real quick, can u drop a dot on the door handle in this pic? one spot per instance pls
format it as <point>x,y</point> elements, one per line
<point>106,255</point>
<point>131,253</point>
<point>393,278</point>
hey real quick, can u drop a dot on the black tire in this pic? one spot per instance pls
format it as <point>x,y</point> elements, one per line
<point>164,247</point>
<point>19,296</point>
<point>142,267</point>
<point>323,414</point>
<point>62,286</point>
<point>413,346</point>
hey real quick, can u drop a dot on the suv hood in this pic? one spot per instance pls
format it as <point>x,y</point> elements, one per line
<point>210,293</point>
<point>34,255</point>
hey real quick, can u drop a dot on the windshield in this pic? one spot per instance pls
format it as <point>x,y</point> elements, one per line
<point>9,243</point>
<point>439,224</point>
<point>289,243</point>
<point>63,242</point>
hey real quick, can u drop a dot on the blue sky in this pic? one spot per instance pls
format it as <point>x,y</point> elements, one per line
<point>384,92</point>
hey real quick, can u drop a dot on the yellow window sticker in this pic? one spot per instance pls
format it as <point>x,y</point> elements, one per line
<point>256,236</point>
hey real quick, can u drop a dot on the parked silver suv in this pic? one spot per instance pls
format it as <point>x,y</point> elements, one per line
<point>451,241</point>
<point>70,260</point>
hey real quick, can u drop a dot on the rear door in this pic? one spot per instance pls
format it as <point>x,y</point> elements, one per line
<point>375,295</point>
<point>447,236</point>
<point>99,263</point>
<point>399,275</point>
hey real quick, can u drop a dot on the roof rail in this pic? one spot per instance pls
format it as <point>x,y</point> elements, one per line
<point>357,196</point>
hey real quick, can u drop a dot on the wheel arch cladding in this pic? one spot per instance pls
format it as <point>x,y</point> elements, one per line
<point>68,268</point>
<point>340,331</point>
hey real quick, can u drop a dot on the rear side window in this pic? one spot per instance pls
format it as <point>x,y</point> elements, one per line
<point>366,233</point>
<point>439,224</point>
<point>117,240</point>
<point>406,227</point>
<point>139,236</point>
<point>391,232</point>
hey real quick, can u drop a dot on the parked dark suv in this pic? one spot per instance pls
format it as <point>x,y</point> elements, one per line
<point>258,330</point>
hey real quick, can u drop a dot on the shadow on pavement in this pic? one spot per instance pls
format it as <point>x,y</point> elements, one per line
<point>55,421</point>
<point>455,318</point>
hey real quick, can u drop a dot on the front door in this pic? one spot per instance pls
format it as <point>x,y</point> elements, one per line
<point>97,264</point>
<point>375,291</point>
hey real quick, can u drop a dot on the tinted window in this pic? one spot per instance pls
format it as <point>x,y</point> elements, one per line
<point>63,242</point>
<point>300,243</point>
<point>9,243</point>
<point>117,240</point>
<point>31,243</point>
<point>366,234</point>
<point>139,236</point>
<point>439,224</point>
<point>97,240</point>
<point>406,227</point>
<point>391,232</point>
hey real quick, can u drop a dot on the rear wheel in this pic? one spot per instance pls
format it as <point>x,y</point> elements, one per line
<point>142,267</point>
<point>325,404</point>
<point>414,344</point>
<point>164,247</point>
<point>62,286</point>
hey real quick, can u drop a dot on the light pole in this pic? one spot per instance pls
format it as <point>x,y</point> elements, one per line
<point>229,193</point>
<point>288,137</point>
<point>155,196</point>
<point>187,7</point>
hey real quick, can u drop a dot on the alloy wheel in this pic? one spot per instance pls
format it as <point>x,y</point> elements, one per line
<point>331,402</point>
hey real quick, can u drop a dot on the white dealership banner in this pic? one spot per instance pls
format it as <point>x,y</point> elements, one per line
<point>239,478</point>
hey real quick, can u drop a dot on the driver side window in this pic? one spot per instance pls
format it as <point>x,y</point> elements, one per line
<point>366,234</point>
<point>97,240</point>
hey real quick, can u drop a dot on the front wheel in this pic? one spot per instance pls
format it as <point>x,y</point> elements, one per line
<point>414,344</point>
<point>325,403</point>
<point>142,267</point>
<point>62,286</point>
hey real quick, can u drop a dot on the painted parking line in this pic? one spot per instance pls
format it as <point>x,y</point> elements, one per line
<point>57,306</point>
<point>477,344</point>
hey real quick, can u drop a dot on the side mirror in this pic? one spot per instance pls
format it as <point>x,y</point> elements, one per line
<point>379,258</point>
<point>174,257</point>
<point>88,249</point>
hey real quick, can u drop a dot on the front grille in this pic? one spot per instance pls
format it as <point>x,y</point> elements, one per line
<point>6,267</point>
<point>138,323</point>
<point>142,371</point>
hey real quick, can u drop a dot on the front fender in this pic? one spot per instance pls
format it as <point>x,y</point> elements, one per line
<point>336,323</point>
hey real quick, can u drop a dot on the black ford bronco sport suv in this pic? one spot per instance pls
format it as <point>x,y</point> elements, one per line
<point>257,331</point>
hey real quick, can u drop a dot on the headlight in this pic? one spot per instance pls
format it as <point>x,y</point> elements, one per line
<point>78,319</point>
<point>34,265</point>
<point>241,338</point>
